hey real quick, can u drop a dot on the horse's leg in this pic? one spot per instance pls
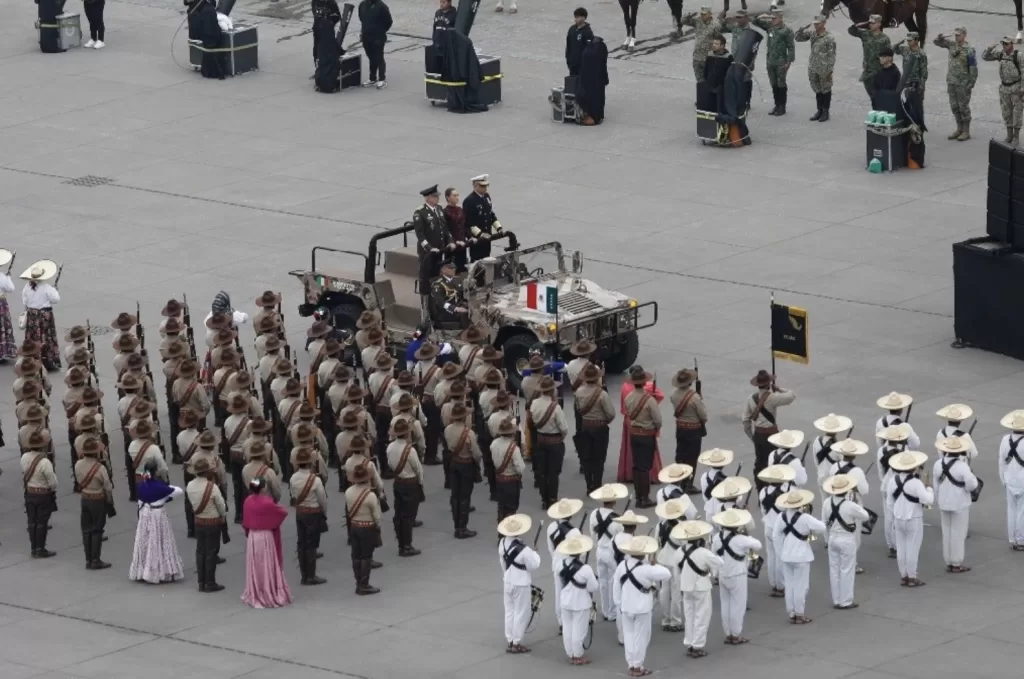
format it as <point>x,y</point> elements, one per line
<point>921,19</point>
<point>1020,18</point>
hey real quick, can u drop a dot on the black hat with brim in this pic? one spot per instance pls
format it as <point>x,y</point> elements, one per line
<point>432,191</point>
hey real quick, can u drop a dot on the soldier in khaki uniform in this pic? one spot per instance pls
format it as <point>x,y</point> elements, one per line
<point>211,513</point>
<point>173,309</point>
<point>381,385</point>
<point>306,434</point>
<point>225,365</point>
<point>310,502</point>
<point>125,345</point>
<point>260,431</point>
<point>265,327</point>
<point>470,353</point>
<point>464,470</point>
<point>454,393</point>
<point>143,451</point>
<point>265,367</point>
<point>40,483</point>
<point>28,368</point>
<point>76,338</point>
<point>341,379</point>
<point>759,418</point>
<point>368,356</point>
<point>170,336</point>
<point>188,444</point>
<point>529,387</point>
<point>125,324</point>
<point>267,303</point>
<point>509,467</point>
<point>367,322</point>
<point>408,485</point>
<point>283,372</point>
<point>287,415</point>
<point>236,430</point>
<point>691,422</point>
<point>187,394</point>
<point>595,412</point>
<point>356,400</point>
<point>75,379</point>
<point>489,381</point>
<point>206,449</point>
<point>359,454</point>
<point>364,518</point>
<point>97,500</point>
<point>136,366</point>
<point>582,351</point>
<point>324,380</point>
<point>258,466</point>
<point>406,410</point>
<point>645,425</point>
<point>428,374</point>
<point>548,421</point>
<point>502,411</point>
<point>174,356</point>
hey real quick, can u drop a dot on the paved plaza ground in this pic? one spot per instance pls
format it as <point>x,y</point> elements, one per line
<point>227,185</point>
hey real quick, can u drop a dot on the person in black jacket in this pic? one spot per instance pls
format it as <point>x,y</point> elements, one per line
<point>212,35</point>
<point>592,82</point>
<point>480,218</point>
<point>888,77</point>
<point>375,18</point>
<point>576,40</point>
<point>444,19</point>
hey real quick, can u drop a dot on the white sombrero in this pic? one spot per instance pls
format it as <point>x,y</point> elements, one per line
<point>795,499</point>
<point>787,438</point>
<point>1013,420</point>
<point>777,473</point>
<point>631,519</point>
<point>691,530</point>
<point>849,447</point>
<point>833,424</point>
<point>840,484</point>
<point>716,457</point>
<point>640,545</point>
<point>43,270</point>
<point>577,545</point>
<point>673,509</point>
<point>732,487</point>
<point>515,525</point>
<point>733,518</point>
<point>895,433</point>
<point>895,401</point>
<point>905,461</point>
<point>674,473</point>
<point>958,412</point>
<point>954,445</point>
<point>564,508</point>
<point>5,256</point>
<point>610,492</point>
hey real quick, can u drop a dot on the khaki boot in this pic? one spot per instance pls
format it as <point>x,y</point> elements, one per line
<point>1009,136</point>
<point>965,132</point>
<point>959,129</point>
<point>1015,142</point>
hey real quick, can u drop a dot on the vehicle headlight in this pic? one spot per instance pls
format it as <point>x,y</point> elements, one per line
<point>552,328</point>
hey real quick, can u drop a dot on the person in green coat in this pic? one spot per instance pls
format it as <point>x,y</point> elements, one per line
<point>781,55</point>
<point>873,40</point>
<point>912,45</point>
<point>821,64</point>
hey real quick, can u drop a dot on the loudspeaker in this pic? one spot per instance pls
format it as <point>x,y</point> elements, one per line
<point>1017,162</point>
<point>999,228</point>
<point>1000,180</point>
<point>465,15</point>
<point>998,204</point>
<point>1000,156</point>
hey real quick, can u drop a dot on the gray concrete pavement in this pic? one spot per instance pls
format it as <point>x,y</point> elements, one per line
<point>263,168</point>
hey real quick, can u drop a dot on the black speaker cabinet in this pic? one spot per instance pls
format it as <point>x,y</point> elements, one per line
<point>1000,180</point>
<point>1000,155</point>
<point>1017,162</point>
<point>998,204</point>
<point>1000,228</point>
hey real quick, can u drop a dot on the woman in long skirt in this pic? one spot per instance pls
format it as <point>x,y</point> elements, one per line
<point>8,347</point>
<point>265,586</point>
<point>38,297</point>
<point>155,559</point>
<point>625,449</point>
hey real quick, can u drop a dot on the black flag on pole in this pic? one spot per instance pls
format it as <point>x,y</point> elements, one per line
<point>789,333</point>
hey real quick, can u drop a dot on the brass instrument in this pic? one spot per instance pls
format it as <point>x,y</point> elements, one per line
<point>927,484</point>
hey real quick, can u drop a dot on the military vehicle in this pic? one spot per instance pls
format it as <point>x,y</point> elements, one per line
<point>497,293</point>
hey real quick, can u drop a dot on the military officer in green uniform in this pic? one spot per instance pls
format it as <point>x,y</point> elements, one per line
<point>781,55</point>
<point>1011,85</point>
<point>705,27</point>
<point>873,41</point>
<point>449,305</point>
<point>735,25</point>
<point>821,64</point>
<point>961,75</point>
<point>912,45</point>
<point>432,243</point>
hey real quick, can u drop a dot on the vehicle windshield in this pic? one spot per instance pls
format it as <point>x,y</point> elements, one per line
<point>541,262</point>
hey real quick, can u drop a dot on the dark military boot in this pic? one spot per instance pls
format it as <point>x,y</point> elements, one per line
<point>819,98</point>
<point>775,96</point>
<point>783,98</point>
<point>826,100</point>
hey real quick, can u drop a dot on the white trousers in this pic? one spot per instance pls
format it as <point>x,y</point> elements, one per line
<point>517,612</point>
<point>771,561</point>
<point>671,600</point>
<point>605,573</point>
<point>890,535</point>
<point>697,611</point>
<point>618,626</point>
<point>842,568</point>
<point>908,534</point>
<point>732,592</point>
<point>954,535</point>
<point>558,600</point>
<point>1015,518</point>
<point>636,633</point>
<point>797,578</point>
<point>574,631</point>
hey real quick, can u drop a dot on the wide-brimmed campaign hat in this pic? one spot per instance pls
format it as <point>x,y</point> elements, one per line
<point>318,329</point>
<point>631,518</point>
<point>691,530</point>
<point>508,428</point>
<point>762,379</point>
<point>79,333</point>
<point>451,371</point>
<point>716,457</point>
<point>38,439</point>
<point>840,484</point>
<point>219,321</point>
<point>283,367</point>
<point>126,342</point>
<point>833,424</point>
<point>76,377</point>
<point>733,518</point>
<point>384,361</point>
<point>639,377</point>
<point>91,447</point>
<point>583,348</point>
<point>172,308</point>
<point>428,351</point>
<point>895,401</point>
<point>577,545</point>
<point>515,525</point>
<point>675,472</point>
<point>124,322</point>
<point>591,374</point>
<point>547,385</point>
<point>954,445</point>
<point>673,509</point>
<point>849,447</point>
<point>777,473</point>
<point>907,460</point>
<point>536,363</point>
<point>268,299</point>
<point>1013,420</point>
<point>368,319</point>
<point>188,418</point>
<point>895,433</point>
<point>609,492</point>
<point>238,403</point>
<point>731,488</point>
<point>787,438</point>
<point>640,545</point>
<point>683,379</point>
<point>957,412</point>
<point>292,388</point>
<point>473,335</point>
<point>401,428</point>
<point>207,440</point>
<point>795,499</point>
<point>564,508</point>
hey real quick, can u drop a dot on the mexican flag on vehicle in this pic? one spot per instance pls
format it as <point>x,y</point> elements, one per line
<point>540,296</point>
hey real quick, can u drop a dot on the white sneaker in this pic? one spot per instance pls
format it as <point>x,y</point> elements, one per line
<point>499,7</point>
<point>99,45</point>
<point>369,83</point>
<point>513,9</point>
<point>1020,36</point>
<point>381,84</point>
<point>632,43</point>
<point>625,43</point>
<point>90,43</point>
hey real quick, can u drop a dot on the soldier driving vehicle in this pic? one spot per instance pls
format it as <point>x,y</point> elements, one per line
<point>518,298</point>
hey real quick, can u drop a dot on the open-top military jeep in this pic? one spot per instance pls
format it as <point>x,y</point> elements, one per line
<point>496,291</point>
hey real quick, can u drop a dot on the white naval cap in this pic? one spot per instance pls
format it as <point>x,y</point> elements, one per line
<point>484,179</point>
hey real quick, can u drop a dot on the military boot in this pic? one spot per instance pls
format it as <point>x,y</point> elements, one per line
<point>819,98</point>
<point>775,96</point>
<point>826,105</point>
<point>783,99</point>
<point>965,131</point>
<point>311,576</point>
<point>1009,136</point>
<point>959,129</point>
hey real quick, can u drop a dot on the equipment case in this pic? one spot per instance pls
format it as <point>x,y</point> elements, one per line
<point>69,27</point>
<point>240,47</point>
<point>888,144</point>
<point>490,85</point>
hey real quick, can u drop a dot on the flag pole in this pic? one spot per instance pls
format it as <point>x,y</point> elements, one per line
<point>771,333</point>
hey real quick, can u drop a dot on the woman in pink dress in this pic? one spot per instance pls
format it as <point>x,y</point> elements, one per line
<point>265,586</point>
<point>625,451</point>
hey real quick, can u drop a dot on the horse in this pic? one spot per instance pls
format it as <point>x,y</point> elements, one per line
<point>911,13</point>
<point>1019,5</point>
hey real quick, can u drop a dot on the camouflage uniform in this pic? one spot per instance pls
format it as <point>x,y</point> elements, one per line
<point>873,43</point>
<point>820,67</point>
<point>920,69</point>
<point>731,26</point>
<point>960,79</point>
<point>1011,87</point>
<point>705,32</point>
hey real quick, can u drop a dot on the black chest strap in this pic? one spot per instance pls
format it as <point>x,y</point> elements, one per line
<point>511,552</point>
<point>887,455</point>
<point>561,532</point>
<point>569,571</point>
<point>834,517</point>
<point>632,579</point>
<point>673,493</point>
<point>845,468</point>
<point>688,560</point>
<point>726,548</point>
<point>617,553</point>
<point>790,527</point>
<point>604,524</point>
<point>783,457</point>
<point>665,529</point>
<point>762,410</point>
<point>1013,454</point>
<point>770,496</point>
<point>713,481</point>
<point>947,466</point>
<point>900,482</point>
<point>825,451</point>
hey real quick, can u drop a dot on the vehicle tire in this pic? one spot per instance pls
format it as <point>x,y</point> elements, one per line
<point>625,356</point>
<point>517,354</point>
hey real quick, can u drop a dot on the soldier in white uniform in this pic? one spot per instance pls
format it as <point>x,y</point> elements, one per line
<point>954,483</point>
<point>559,530</point>
<point>792,535</point>
<point>776,481</point>
<point>634,582</point>
<point>955,415</point>
<point>734,545</point>
<point>604,529</point>
<point>895,440</point>
<point>896,403</point>
<point>821,448</point>
<point>909,496</point>
<point>518,561</point>
<point>1011,475</point>
<point>697,566</point>
<point>785,441</point>
<point>578,586</point>
<point>670,598</point>
<point>844,516</point>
